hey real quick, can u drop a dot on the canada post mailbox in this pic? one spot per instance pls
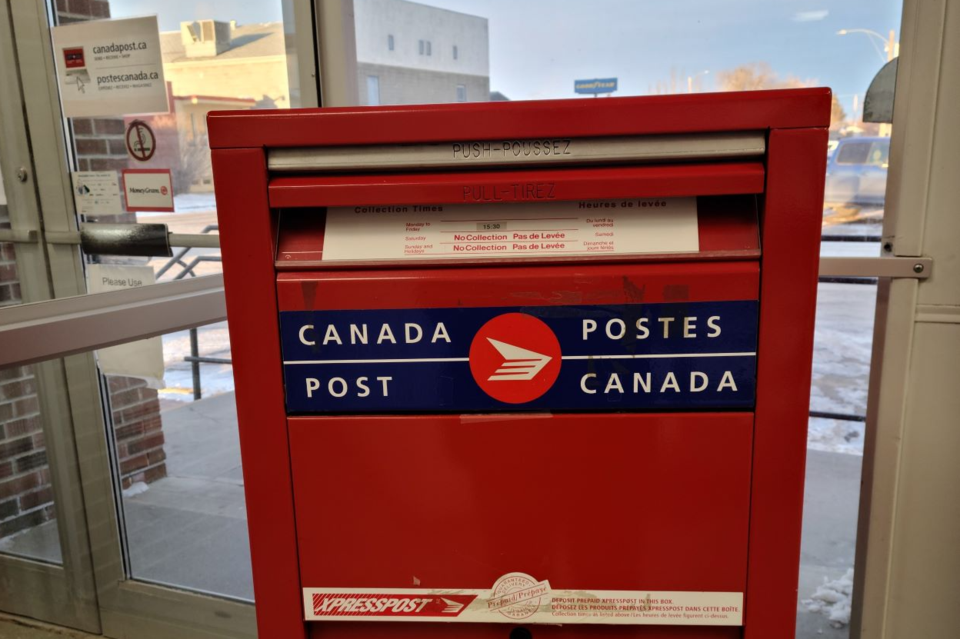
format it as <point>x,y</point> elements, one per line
<point>524,369</point>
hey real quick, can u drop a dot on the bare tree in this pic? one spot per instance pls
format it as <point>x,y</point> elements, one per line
<point>757,76</point>
<point>675,85</point>
<point>837,115</point>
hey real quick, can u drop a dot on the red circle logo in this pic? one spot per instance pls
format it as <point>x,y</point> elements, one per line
<point>515,358</point>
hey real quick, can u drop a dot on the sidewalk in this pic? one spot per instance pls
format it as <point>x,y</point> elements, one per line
<point>17,628</point>
<point>205,479</point>
<point>830,504</point>
<point>189,529</point>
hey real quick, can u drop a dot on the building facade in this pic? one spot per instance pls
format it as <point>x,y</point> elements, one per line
<point>410,53</point>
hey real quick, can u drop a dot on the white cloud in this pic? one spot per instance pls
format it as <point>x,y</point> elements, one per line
<point>810,16</point>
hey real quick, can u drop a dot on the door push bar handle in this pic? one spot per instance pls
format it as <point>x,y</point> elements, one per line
<point>153,240</point>
<point>145,240</point>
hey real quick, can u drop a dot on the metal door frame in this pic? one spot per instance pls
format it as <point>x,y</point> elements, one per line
<point>92,590</point>
<point>64,594</point>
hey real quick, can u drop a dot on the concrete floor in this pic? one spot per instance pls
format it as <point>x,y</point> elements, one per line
<point>18,628</point>
<point>830,504</point>
<point>189,530</point>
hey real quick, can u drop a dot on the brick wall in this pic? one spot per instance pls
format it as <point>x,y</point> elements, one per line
<point>26,496</point>
<point>9,283</point>
<point>139,431</point>
<point>100,146</point>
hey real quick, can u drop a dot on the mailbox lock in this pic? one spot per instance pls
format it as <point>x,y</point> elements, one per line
<point>22,174</point>
<point>521,633</point>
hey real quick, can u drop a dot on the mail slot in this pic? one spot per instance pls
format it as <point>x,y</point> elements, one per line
<point>522,370</point>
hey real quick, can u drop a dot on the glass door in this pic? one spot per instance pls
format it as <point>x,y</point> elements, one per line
<point>153,516</point>
<point>45,560</point>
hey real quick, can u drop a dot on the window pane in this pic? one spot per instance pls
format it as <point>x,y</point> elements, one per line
<point>172,425</point>
<point>414,75</point>
<point>373,90</point>
<point>841,369</point>
<point>222,54</point>
<point>177,456</point>
<point>879,153</point>
<point>759,47</point>
<point>652,48</point>
<point>841,366</point>
<point>853,153</point>
<point>28,526</point>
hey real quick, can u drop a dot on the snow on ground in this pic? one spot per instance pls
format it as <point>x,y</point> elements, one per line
<point>185,203</point>
<point>835,436</point>
<point>136,488</point>
<point>8,544</point>
<point>843,342</point>
<point>189,202</point>
<point>833,599</point>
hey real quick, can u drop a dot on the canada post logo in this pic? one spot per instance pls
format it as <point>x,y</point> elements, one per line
<point>666,356</point>
<point>507,371</point>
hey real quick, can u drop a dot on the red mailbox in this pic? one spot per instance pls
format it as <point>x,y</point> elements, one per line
<point>524,369</point>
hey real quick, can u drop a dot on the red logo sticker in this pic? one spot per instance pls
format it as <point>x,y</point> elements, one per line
<point>515,358</point>
<point>389,605</point>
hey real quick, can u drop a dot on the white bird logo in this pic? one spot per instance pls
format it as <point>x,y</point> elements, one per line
<point>453,607</point>
<point>518,363</point>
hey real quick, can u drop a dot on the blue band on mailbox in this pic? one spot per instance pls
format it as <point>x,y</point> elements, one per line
<point>671,356</point>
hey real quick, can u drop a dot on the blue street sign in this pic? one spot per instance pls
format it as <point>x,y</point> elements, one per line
<point>597,85</point>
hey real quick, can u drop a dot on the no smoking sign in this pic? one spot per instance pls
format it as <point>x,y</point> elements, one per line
<point>141,142</point>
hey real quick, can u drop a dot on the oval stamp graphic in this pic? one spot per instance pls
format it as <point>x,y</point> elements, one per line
<point>517,595</point>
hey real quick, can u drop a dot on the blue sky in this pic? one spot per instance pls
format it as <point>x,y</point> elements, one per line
<point>539,47</point>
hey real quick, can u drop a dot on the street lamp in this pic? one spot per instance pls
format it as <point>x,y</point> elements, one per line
<point>891,46</point>
<point>691,77</point>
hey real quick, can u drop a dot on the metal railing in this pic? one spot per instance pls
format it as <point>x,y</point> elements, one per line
<point>195,360</point>
<point>849,238</point>
<point>188,268</point>
<point>847,417</point>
